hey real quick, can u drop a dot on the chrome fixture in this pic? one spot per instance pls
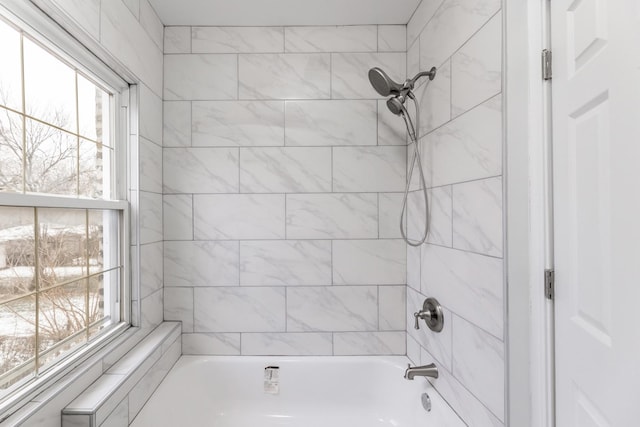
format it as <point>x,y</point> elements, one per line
<point>432,315</point>
<point>398,93</point>
<point>430,371</point>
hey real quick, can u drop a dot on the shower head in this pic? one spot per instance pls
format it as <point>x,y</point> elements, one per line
<point>385,86</point>
<point>395,104</point>
<point>382,83</point>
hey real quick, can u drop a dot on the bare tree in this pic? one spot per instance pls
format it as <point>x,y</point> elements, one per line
<point>47,157</point>
<point>40,156</point>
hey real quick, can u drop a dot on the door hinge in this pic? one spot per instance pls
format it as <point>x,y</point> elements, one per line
<point>549,284</point>
<point>546,64</point>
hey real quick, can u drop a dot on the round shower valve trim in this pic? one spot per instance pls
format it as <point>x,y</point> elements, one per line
<point>432,315</point>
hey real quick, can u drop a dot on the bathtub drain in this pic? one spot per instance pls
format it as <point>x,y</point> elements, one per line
<point>426,402</point>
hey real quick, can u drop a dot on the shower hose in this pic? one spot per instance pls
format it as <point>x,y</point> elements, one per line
<point>414,135</point>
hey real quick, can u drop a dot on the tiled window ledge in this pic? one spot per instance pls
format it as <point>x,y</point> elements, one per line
<point>121,391</point>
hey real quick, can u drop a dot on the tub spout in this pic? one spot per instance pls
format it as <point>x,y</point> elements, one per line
<point>421,371</point>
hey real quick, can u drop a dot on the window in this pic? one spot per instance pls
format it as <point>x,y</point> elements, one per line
<point>62,217</point>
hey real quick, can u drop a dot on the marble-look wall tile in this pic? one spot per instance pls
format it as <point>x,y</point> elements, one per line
<point>461,130</point>
<point>178,305</point>
<point>362,262</point>
<point>465,16</point>
<point>369,169</point>
<point>477,216</point>
<point>177,124</point>
<point>476,69</point>
<point>332,122</point>
<point>237,39</point>
<point>285,263</point>
<point>287,344</point>
<point>134,7</point>
<point>369,343</point>
<point>285,170</point>
<point>118,418</point>
<point>52,401</point>
<point>349,73</point>
<point>76,420</point>
<point>392,38</point>
<point>239,216</point>
<point>420,18</point>
<point>389,209</point>
<point>178,216</point>
<point>417,216</point>
<point>414,261</point>
<point>150,114</point>
<point>296,144</point>
<point>84,13</point>
<point>143,58</point>
<point>200,77</point>
<point>348,38</point>
<point>467,148</point>
<point>435,99</point>
<point>441,216</point>
<point>151,23</point>
<point>466,405</point>
<point>391,128</point>
<point>151,310</point>
<point>279,76</point>
<point>201,263</point>
<point>392,301</point>
<point>150,166</point>
<point>478,362</point>
<point>467,283</point>
<point>143,390</point>
<point>413,350</point>
<point>239,309</point>
<point>438,343</point>
<point>150,275</point>
<point>211,344</point>
<point>413,59</point>
<point>338,216</point>
<point>177,40</point>
<point>238,123</point>
<point>150,217</point>
<point>201,170</point>
<point>328,308</point>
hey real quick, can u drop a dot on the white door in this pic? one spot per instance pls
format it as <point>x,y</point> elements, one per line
<point>596,156</point>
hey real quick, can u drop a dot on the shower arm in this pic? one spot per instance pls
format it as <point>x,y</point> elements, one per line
<point>410,83</point>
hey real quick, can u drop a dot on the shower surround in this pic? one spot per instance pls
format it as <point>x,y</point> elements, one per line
<point>462,263</point>
<point>283,174</point>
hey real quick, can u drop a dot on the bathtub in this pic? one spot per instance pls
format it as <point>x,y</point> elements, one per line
<point>222,391</point>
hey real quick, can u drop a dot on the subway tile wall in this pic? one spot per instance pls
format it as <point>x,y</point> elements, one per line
<point>462,262</point>
<point>283,174</point>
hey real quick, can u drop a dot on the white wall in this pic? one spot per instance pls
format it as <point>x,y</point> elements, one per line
<point>283,175</point>
<point>462,263</point>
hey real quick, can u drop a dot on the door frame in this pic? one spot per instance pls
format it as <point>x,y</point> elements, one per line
<point>529,388</point>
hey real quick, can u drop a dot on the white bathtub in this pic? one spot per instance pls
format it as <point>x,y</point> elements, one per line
<point>313,392</point>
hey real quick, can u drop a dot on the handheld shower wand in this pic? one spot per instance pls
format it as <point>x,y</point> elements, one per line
<point>398,94</point>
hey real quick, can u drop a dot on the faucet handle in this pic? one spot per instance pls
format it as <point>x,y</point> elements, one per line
<point>431,313</point>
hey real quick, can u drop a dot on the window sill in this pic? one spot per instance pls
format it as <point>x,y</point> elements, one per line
<point>102,352</point>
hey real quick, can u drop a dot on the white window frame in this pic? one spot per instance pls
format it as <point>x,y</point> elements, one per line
<point>23,14</point>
